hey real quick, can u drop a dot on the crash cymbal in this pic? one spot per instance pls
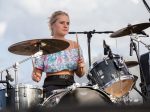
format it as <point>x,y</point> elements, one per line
<point>131,63</point>
<point>130,29</point>
<point>30,47</point>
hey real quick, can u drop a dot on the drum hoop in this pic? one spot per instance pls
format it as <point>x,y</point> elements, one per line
<point>21,85</point>
<point>3,89</point>
<point>94,65</point>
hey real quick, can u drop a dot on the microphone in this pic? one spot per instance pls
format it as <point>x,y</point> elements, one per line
<point>131,48</point>
<point>106,48</point>
<point>9,76</point>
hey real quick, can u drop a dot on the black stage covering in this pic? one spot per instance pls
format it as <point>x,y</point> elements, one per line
<point>92,108</point>
<point>106,108</point>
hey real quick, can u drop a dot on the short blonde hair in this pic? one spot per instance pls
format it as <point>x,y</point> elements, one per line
<point>53,18</point>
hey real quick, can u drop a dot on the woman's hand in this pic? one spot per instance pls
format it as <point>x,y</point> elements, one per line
<point>81,63</point>
<point>80,67</point>
<point>36,75</point>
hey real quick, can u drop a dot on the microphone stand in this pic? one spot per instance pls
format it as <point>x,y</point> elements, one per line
<point>8,85</point>
<point>134,47</point>
<point>147,6</point>
<point>15,66</point>
<point>143,82</point>
<point>89,36</point>
<point>7,80</point>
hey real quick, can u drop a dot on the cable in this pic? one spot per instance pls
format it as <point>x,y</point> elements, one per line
<point>146,5</point>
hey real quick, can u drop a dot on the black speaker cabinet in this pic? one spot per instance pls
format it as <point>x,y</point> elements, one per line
<point>145,65</point>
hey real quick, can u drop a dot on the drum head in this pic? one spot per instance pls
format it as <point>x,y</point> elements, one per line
<point>85,96</point>
<point>120,88</point>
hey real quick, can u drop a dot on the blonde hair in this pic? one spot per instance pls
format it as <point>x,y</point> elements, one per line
<point>53,18</point>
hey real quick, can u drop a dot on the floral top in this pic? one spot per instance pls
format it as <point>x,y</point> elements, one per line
<point>63,60</point>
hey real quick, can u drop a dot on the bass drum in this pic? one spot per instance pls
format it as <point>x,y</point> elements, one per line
<point>112,76</point>
<point>2,99</point>
<point>23,97</point>
<point>81,96</point>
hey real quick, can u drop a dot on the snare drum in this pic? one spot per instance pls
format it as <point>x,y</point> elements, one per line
<point>113,76</point>
<point>24,96</point>
<point>2,99</point>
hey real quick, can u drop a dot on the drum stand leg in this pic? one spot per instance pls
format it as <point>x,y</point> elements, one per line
<point>143,96</point>
<point>16,72</point>
<point>16,98</point>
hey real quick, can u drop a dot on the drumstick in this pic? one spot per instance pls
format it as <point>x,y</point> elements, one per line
<point>78,50</point>
<point>32,62</point>
<point>78,45</point>
<point>33,66</point>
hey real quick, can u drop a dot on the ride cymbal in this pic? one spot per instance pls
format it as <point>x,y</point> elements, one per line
<point>30,47</point>
<point>130,29</point>
<point>131,63</point>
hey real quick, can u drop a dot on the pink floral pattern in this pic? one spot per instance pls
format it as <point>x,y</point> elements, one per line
<point>63,60</point>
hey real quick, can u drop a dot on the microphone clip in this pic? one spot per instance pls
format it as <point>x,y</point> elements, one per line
<point>107,50</point>
<point>133,46</point>
<point>8,77</point>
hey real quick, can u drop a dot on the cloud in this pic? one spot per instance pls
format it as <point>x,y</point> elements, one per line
<point>135,1</point>
<point>3,26</point>
<point>32,6</point>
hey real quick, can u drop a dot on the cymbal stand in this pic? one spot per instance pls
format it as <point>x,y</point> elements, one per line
<point>16,65</point>
<point>8,78</point>
<point>89,36</point>
<point>139,41</point>
<point>143,82</point>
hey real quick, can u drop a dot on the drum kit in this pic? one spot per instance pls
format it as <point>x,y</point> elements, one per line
<point>23,96</point>
<point>108,79</point>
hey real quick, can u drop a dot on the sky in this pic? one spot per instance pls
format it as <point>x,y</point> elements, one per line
<point>22,20</point>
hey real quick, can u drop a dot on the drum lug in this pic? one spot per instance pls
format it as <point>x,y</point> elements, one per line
<point>6,93</point>
<point>113,76</point>
<point>119,63</point>
<point>24,92</point>
<point>17,94</point>
<point>105,61</point>
<point>95,86</point>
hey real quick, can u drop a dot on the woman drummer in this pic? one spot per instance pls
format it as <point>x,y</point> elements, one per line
<point>61,66</point>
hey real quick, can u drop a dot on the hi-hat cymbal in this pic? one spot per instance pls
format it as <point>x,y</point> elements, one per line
<point>30,47</point>
<point>130,29</point>
<point>131,63</point>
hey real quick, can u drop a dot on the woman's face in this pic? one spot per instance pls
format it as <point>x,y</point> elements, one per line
<point>61,26</point>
